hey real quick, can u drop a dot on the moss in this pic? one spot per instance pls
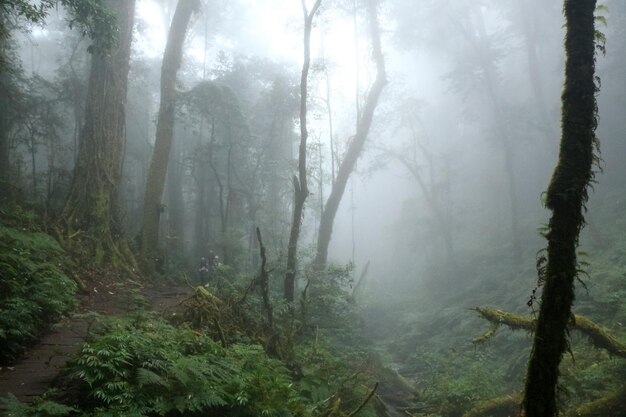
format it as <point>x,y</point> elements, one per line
<point>612,404</point>
<point>487,335</point>
<point>600,336</point>
<point>505,406</point>
<point>566,198</point>
<point>514,321</point>
<point>597,334</point>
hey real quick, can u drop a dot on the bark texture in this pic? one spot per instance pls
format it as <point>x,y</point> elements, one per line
<point>90,212</point>
<point>566,197</point>
<point>301,189</point>
<point>155,183</point>
<point>355,148</point>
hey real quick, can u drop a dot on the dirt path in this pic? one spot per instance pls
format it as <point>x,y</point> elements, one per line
<point>33,373</point>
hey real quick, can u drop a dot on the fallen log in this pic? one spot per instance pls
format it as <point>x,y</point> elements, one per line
<point>508,405</point>
<point>597,334</point>
<point>612,404</point>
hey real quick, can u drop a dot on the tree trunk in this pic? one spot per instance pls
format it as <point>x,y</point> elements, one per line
<point>165,127</point>
<point>566,197</point>
<point>5,164</point>
<point>301,190</point>
<point>442,221</point>
<point>176,215</point>
<point>504,138</point>
<point>91,207</point>
<point>530,38</point>
<point>356,145</point>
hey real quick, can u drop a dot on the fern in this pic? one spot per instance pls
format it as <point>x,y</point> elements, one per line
<point>147,377</point>
<point>12,407</point>
<point>153,368</point>
<point>34,290</point>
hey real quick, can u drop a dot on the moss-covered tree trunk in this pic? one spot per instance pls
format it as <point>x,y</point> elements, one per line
<point>356,145</point>
<point>301,189</point>
<point>90,212</point>
<point>155,183</point>
<point>566,197</point>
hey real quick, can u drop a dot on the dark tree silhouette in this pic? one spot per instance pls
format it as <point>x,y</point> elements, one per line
<point>301,189</point>
<point>566,197</point>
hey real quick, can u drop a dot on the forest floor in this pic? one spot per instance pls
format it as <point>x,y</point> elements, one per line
<point>38,367</point>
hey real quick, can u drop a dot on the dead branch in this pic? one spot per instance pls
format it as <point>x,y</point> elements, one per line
<point>360,280</point>
<point>364,402</point>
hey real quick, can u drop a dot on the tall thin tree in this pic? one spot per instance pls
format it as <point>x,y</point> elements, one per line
<point>301,189</point>
<point>364,122</point>
<point>155,183</point>
<point>566,197</point>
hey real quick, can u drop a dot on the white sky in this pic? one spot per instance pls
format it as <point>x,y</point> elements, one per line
<point>267,28</point>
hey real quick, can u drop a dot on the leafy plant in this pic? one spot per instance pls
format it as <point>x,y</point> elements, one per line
<point>34,290</point>
<point>41,407</point>
<point>153,368</point>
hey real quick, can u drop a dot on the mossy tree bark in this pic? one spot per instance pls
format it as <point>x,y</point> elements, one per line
<point>355,148</point>
<point>301,189</point>
<point>155,183</point>
<point>90,212</point>
<point>566,197</point>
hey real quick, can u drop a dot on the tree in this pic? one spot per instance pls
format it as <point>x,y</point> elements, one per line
<point>155,183</point>
<point>12,84</point>
<point>432,190</point>
<point>566,198</point>
<point>301,189</point>
<point>357,143</point>
<point>92,18</point>
<point>483,49</point>
<point>228,143</point>
<point>90,208</point>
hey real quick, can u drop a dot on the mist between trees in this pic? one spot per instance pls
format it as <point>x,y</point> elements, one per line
<point>414,160</point>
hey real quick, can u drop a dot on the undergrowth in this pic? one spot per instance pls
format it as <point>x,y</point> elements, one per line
<point>34,290</point>
<point>214,358</point>
<point>150,367</point>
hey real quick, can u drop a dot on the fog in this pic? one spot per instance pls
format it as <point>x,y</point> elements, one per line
<point>444,210</point>
<point>466,80</point>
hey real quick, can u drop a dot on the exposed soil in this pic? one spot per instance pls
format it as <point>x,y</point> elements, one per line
<point>39,366</point>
